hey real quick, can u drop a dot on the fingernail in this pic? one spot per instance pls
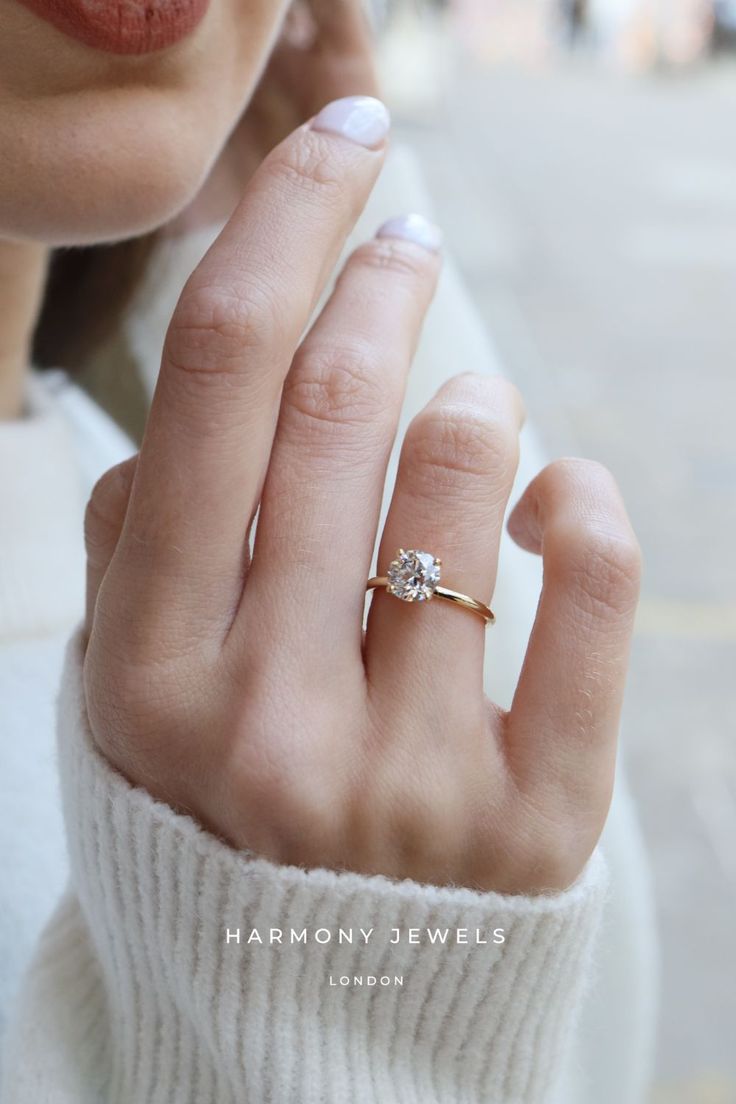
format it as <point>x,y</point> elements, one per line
<point>413,228</point>
<point>361,119</point>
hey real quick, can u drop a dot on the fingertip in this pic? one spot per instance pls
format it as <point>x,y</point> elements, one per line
<point>523,529</point>
<point>364,120</point>
<point>414,228</point>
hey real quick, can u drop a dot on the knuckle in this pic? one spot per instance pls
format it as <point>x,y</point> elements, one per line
<point>458,442</point>
<point>308,165</point>
<point>214,327</point>
<point>593,549</point>
<point>336,386</point>
<point>605,569</point>
<point>393,256</point>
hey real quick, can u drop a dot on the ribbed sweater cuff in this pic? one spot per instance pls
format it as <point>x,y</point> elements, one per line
<point>195,1018</point>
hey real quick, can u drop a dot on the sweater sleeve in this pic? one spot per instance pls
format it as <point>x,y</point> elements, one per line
<point>178,969</point>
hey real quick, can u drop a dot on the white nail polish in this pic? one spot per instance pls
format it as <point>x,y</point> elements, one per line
<point>414,228</point>
<point>361,119</point>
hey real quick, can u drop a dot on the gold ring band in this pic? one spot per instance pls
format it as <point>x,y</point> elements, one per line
<point>455,596</point>
<point>414,577</point>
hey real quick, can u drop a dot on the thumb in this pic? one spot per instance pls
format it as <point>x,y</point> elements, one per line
<point>343,25</point>
<point>103,523</point>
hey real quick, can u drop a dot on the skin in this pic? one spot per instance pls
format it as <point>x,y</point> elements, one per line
<point>70,121</point>
<point>244,691</point>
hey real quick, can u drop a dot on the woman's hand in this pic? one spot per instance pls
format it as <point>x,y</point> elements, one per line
<point>243,691</point>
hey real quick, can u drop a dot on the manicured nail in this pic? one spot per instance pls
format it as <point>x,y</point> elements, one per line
<point>413,228</point>
<point>362,119</point>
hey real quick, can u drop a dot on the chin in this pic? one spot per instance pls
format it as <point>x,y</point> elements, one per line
<point>113,175</point>
<point>95,148</point>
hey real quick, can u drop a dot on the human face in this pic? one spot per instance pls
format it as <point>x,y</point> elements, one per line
<point>113,112</point>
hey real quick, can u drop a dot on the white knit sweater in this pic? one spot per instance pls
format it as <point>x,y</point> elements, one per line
<point>136,995</point>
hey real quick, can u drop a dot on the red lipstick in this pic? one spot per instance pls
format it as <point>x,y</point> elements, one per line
<point>122,26</point>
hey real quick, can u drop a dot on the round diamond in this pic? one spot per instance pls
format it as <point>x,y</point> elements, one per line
<point>413,576</point>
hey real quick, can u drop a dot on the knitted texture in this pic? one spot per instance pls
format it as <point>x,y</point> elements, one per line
<point>136,993</point>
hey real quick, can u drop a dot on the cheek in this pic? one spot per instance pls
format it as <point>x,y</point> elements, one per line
<point>108,160</point>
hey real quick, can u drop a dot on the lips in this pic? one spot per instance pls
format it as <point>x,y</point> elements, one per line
<point>122,26</point>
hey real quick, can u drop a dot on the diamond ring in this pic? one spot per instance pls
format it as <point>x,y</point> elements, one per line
<point>415,576</point>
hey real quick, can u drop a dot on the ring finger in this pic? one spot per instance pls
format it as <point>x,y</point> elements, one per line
<point>455,475</point>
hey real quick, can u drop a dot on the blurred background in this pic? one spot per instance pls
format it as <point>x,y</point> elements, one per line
<point>582,157</point>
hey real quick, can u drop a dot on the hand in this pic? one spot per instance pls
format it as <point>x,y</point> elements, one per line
<point>326,50</point>
<point>243,691</point>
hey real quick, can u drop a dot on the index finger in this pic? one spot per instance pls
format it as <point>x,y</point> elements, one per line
<point>227,352</point>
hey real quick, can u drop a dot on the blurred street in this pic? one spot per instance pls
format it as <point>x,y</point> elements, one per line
<point>594,216</point>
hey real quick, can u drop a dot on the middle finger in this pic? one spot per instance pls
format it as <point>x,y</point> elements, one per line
<point>339,411</point>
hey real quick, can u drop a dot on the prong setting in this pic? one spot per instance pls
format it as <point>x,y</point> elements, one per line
<point>413,576</point>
